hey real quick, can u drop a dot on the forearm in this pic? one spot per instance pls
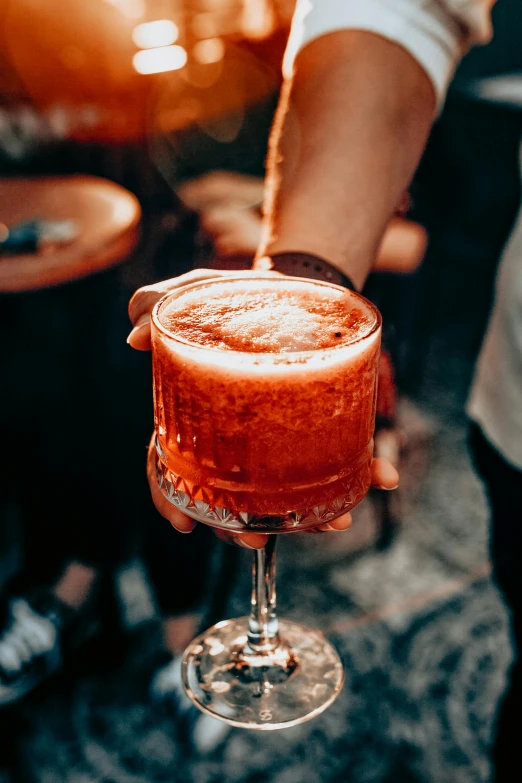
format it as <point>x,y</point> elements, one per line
<point>348,135</point>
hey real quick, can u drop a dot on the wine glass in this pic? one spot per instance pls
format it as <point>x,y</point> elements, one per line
<point>251,440</point>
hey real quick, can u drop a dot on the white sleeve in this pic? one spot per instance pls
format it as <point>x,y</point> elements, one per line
<point>435,32</point>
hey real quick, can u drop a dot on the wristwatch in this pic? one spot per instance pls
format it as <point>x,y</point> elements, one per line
<point>305,265</point>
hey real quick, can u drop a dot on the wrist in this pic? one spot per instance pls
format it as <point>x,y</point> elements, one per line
<point>299,264</point>
<point>355,263</point>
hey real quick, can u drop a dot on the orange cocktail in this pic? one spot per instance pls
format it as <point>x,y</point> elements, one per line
<point>264,398</point>
<point>264,392</point>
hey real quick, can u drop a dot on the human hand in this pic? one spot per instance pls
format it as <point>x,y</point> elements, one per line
<point>222,189</point>
<point>384,475</point>
<point>143,301</point>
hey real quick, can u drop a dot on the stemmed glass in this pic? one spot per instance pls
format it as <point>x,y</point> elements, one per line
<point>269,442</point>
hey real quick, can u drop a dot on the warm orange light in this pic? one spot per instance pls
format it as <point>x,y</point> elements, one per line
<point>258,19</point>
<point>132,9</point>
<point>162,32</point>
<point>212,5</point>
<point>166,58</point>
<point>204,25</point>
<point>209,51</point>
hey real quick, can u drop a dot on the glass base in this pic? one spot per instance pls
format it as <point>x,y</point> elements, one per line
<point>242,522</point>
<point>275,690</point>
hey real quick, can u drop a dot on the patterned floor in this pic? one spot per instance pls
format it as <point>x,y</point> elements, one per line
<point>420,627</point>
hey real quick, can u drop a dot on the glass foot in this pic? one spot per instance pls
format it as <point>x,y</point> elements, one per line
<point>290,685</point>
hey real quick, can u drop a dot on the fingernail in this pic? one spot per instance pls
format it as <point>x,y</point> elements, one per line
<point>143,320</point>
<point>387,489</point>
<point>134,331</point>
<point>184,532</point>
<point>239,541</point>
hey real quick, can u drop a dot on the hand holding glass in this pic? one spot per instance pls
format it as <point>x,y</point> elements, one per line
<point>264,395</point>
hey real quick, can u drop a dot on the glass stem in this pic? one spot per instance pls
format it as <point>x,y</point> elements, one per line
<point>263,628</point>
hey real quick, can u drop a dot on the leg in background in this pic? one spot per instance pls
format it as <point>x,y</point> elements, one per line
<point>178,568</point>
<point>504,489</point>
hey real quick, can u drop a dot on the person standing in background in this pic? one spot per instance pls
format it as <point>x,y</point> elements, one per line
<point>495,410</point>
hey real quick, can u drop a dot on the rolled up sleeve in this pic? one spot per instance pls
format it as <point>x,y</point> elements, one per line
<point>435,32</point>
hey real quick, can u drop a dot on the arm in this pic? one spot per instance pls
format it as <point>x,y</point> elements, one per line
<point>349,132</point>
<point>355,111</point>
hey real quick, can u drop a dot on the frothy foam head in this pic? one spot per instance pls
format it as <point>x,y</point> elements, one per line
<point>279,315</point>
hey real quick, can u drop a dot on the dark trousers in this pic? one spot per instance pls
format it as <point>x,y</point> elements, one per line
<point>59,451</point>
<point>179,565</point>
<point>503,485</point>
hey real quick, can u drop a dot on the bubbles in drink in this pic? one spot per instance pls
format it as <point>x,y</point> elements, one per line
<point>270,319</point>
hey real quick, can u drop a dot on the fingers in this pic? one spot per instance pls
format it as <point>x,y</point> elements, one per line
<point>185,524</point>
<point>232,231</point>
<point>335,525</point>
<point>139,337</point>
<point>402,247</point>
<point>259,540</point>
<point>384,475</point>
<point>245,540</point>
<point>177,519</point>
<point>221,188</point>
<point>143,301</point>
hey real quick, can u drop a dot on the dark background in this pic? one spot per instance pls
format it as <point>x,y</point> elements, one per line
<point>64,365</point>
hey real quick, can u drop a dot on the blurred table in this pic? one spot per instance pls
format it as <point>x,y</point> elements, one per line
<point>107,217</point>
<point>63,323</point>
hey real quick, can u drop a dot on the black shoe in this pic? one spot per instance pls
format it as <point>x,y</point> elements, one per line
<point>32,643</point>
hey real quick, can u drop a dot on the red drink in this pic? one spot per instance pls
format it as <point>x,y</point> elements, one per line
<point>264,393</point>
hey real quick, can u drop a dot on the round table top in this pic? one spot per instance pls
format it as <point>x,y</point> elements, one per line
<point>105,215</point>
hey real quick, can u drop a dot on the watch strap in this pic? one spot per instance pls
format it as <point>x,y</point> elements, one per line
<point>306,265</point>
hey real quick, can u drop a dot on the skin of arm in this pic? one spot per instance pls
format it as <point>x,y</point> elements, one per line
<point>349,132</point>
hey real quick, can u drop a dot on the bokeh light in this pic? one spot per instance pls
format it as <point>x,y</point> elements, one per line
<point>162,32</point>
<point>209,51</point>
<point>165,58</point>
<point>205,25</point>
<point>258,19</point>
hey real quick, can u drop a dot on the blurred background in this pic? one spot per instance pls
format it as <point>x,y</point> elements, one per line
<point>117,121</point>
